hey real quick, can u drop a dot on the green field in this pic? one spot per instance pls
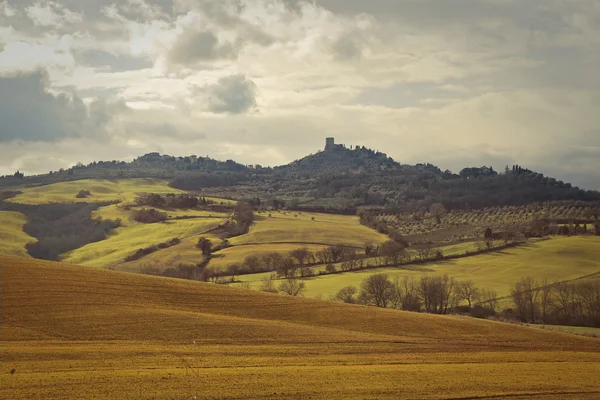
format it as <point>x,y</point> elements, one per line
<point>237,254</point>
<point>102,190</point>
<point>293,227</point>
<point>184,253</point>
<point>12,237</point>
<point>557,259</point>
<point>126,240</point>
<point>86,333</point>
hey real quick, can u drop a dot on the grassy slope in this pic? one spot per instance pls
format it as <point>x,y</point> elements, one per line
<point>126,240</point>
<point>557,259</point>
<point>281,233</point>
<point>12,237</point>
<point>325,229</point>
<point>101,189</point>
<point>132,235</point>
<point>237,254</point>
<point>72,332</point>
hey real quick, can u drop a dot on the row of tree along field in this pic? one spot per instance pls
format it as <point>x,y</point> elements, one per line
<point>561,303</point>
<point>301,262</point>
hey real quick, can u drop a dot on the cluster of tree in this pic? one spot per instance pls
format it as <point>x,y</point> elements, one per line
<point>297,262</point>
<point>431,294</point>
<point>243,213</point>
<point>559,303</point>
<point>140,253</point>
<point>190,272</point>
<point>172,200</point>
<point>59,228</point>
<point>540,227</point>
<point>291,287</point>
<point>202,180</point>
<point>239,224</point>
<point>83,194</point>
<point>370,219</point>
<point>474,172</point>
<point>149,215</point>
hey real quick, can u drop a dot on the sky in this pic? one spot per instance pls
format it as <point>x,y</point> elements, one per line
<point>457,83</point>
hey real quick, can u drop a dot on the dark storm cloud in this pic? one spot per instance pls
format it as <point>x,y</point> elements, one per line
<point>29,112</point>
<point>233,94</point>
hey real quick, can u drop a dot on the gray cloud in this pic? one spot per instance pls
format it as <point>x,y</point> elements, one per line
<point>193,47</point>
<point>349,46</point>
<point>233,94</point>
<point>106,61</point>
<point>29,112</point>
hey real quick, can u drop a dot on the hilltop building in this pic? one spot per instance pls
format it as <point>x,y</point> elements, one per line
<point>329,143</point>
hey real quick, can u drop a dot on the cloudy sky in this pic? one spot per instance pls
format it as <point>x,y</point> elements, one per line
<point>452,82</point>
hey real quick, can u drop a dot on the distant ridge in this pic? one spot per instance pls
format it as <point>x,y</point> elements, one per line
<point>335,178</point>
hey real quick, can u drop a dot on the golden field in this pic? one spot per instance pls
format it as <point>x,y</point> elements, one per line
<point>86,333</point>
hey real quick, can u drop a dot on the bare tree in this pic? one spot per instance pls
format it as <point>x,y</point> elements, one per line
<point>525,295</point>
<point>292,287</point>
<point>438,211</point>
<point>287,268</point>
<point>271,260</point>
<point>267,285</point>
<point>437,293</point>
<point>301,255</point>
<point>347,295</point>
<point>467,290</point>
<point>323,256</point>
<point>378,290</point>
<point>252,263</point>
<point>567,302</point>
<point>488,299</point>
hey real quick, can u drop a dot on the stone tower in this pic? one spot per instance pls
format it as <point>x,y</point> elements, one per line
<point>329,143</point>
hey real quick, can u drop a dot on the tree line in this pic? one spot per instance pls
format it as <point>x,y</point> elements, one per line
<point>564,303</point>
<point>430,294</point>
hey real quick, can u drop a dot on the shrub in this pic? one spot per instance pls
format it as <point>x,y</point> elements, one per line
<point>83,194</point>
<point>204,245</point>
<point>149,216</point>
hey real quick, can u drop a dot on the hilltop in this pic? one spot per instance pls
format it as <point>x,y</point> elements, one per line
<point>77,332</point>
<point>335,179</point>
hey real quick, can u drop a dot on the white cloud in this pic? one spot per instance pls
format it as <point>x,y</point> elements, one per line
<point>49,13</point>
<point>454,83</point>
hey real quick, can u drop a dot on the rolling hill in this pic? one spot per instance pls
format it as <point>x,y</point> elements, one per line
<point>76,332</point>
<point>12,237</point>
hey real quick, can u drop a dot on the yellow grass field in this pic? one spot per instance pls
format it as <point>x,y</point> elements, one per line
<point>102,190</point>
<point>124,241</point>
<point>184,253</point>
<point>557,259</point>
<point>325,229</point>
<point>281,233</point>
<point>85,333</point>
<point>12,237</point>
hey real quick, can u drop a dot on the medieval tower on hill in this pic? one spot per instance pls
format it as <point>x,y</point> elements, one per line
<point>329,143</point>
